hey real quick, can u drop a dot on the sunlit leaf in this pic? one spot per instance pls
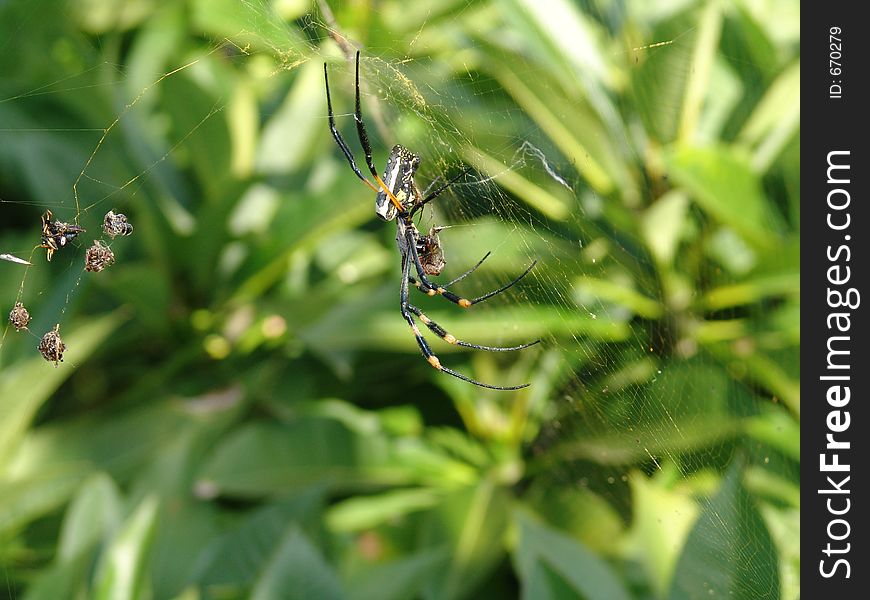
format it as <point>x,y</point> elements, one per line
<point>366,512</point>
<point>95,512</point>
<point>123,568</point>
<point>714,558</point>
<point>662,519</point>
<point>471,523</point>
<point>723,183</point>
<point>662,224</point>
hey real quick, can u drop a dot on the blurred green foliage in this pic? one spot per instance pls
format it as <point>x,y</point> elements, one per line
<point>242,413</point>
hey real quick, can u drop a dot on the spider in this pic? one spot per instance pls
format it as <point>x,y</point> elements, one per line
<point>400,199</point>
<point>56,234</point>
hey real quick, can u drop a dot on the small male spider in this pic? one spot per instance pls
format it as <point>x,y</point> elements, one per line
<point>399,198</point>
<point>56,234</point>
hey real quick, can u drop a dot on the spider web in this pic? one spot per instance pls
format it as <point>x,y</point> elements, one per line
<point>645,406</point>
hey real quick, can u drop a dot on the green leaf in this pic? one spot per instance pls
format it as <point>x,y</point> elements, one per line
<point>471,524</point>
<point>539,199</point>
<point>721,101</point>
<point>751,291</point>
<point>776,427</point>
<point>296,570</point>
<point>545,583</point>
<point>617,293</point>
<point>775,120</point>
<point>187,524</point>
<point>662,225</point>
<point>662,517</point>
<point>659,81</point>
<point>365,512</point>
<point>116,444</point>
<point>763,483</point>
<point>785,528</point>
<point>578,512</point>
<point>249,24</point>
<point>62,580</point>
<point>722,181</point>
<point>236,558</point>
<point>123,572</point>
<point>768,369</point>
<point>92,515</point>
<point>401,579</point>
<point>564,43</point>
<point>729,553</point>
<point>577,568</point>
<point>709,28</point>
<point>201,130</point>
<point>298,119</point>
<point>563,35</point>
<point>262,458</point>
<point>684,408</point>
<point>652,439</point>
<point>24,499</point>
<point>25,386</point>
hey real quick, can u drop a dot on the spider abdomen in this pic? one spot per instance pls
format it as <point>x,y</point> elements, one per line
<point>399,173</point>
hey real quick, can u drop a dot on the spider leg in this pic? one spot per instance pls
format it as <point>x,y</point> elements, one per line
<point>469,271</point>
<point>50,249</point>
<point>431,184</point>
<point>507,285</point>
<point>485,385</point>
<point>424,284</point>
<point>461,277</point>
<point>450,339</point>
<point>340,140</point>
<point>431,196</point>
<point>421,341</point>
<point>366,146</point>
<point>360,125</point>
<point>364,140</point>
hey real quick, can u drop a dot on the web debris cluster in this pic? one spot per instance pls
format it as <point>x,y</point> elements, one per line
<point>56,236</point>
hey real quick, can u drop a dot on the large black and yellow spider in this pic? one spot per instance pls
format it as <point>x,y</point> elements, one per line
<point>397,197</point>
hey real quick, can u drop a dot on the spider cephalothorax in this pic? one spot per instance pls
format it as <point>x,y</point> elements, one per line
<point>398,197</point>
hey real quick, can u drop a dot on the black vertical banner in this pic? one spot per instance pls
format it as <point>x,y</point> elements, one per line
<point>835,424</point>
